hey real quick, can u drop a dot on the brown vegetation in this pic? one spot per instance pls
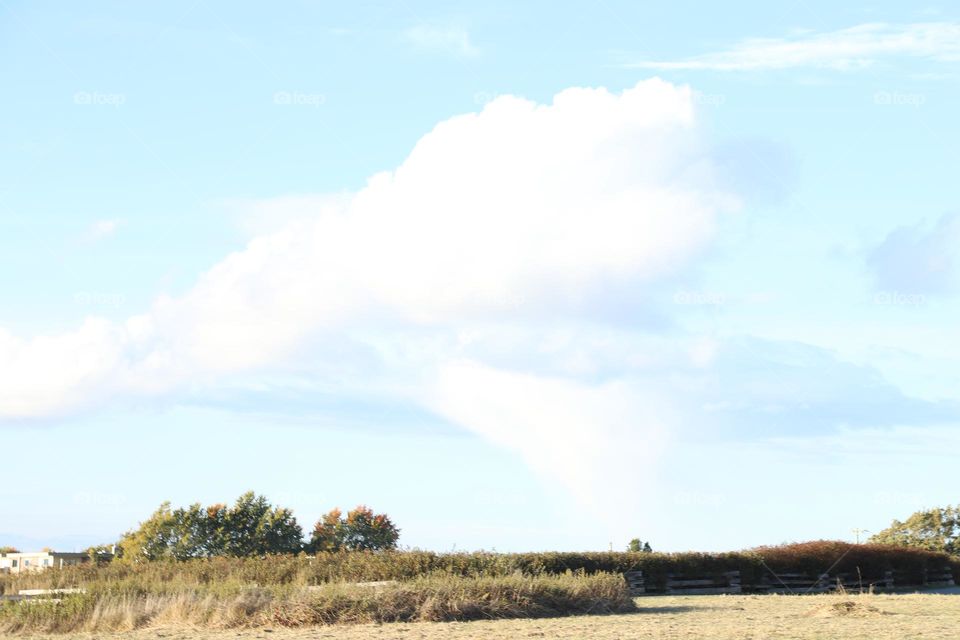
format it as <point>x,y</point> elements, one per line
<point>423,599</point>
<point>661,618</point>
<point>227,575</point>
<point>288,590</point>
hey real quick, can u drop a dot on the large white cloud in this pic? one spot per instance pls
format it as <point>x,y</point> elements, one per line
<point>523,209</point>
<point>484,281</point>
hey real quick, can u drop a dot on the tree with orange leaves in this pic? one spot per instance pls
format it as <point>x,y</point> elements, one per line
<point>361,530</point>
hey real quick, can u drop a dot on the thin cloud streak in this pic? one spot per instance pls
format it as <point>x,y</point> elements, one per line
<point>453,40</point>
<point>845,49</point>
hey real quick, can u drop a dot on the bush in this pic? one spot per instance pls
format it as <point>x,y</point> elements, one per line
<point>437,599</point>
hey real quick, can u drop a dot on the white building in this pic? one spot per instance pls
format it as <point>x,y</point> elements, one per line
<point>38,561</point>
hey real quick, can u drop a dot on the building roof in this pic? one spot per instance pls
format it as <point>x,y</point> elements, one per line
<point>56,554</point>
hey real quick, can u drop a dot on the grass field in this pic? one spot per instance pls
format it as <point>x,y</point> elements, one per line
<point>931,617</point>
<point>479,595</point>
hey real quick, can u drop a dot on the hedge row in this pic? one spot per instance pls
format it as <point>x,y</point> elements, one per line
<point>229,573</point>
<point>872,560</point>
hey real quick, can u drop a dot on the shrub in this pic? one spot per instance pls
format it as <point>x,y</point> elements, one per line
<point>437,599</point>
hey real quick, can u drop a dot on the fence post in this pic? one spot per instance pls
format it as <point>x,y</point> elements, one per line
<point>636,582</point>
<point>733,581</point>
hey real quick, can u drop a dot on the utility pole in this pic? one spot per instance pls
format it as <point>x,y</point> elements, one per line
<point>857,533</point>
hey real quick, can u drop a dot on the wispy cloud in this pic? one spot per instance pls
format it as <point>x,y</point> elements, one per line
<point>101,229</point>
<point>852,48</point>
<point>446,39</point>
<point>919,259</point>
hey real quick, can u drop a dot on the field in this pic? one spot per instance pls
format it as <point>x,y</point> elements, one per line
<point>481,595</point>
<point>932,617</point>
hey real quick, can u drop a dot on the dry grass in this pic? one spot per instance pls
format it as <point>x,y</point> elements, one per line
<point>229,575</point>
<point>930,617</point>
<point>437,598</point>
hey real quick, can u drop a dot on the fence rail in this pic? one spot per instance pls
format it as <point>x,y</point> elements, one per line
<point>730,582</point>
<point>46,595</point>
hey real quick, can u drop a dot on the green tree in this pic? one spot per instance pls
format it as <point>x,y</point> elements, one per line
<point>170,534</point>
<point>5,550</point>
<point>639,546</point>
<point>251,527</point>
<point>935,529</point>
<point>361,530</point>
<point>153,539</point>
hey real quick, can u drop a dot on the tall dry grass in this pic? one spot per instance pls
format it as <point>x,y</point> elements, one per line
<point>228,576</point>
<point>437,598</point>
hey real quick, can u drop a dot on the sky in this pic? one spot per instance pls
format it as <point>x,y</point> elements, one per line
<point>524,276</point>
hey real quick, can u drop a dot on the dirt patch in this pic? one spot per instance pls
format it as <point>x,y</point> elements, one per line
<point>845,609</point>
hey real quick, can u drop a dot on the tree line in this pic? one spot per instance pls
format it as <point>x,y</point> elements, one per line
<point>252,526</point>
<point>936,529</point>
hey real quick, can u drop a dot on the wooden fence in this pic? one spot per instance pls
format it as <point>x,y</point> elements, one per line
<point>42,595</point>
<point>729,582</point>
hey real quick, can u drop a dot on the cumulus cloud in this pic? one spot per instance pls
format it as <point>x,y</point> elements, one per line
<point>522,208</point>
<point>454,40</point>
<point>483,281</point>
<point>919,259</point>
<point>844,49</point>
<point>44,373</point>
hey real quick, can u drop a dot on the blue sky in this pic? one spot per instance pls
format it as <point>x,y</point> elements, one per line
<point>522,275</point>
